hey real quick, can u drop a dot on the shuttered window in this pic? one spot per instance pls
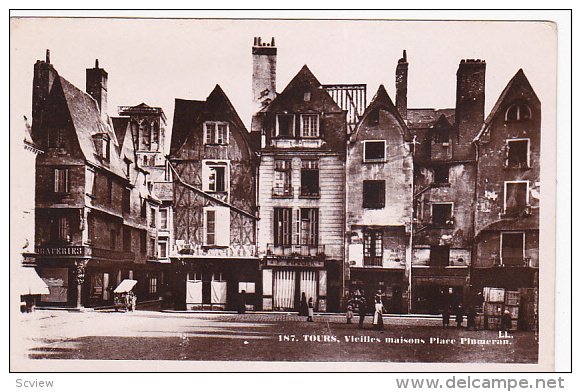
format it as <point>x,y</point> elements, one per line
<point>61,180</point>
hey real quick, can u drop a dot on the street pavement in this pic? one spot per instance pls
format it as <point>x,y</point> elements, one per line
<point>152,335</point>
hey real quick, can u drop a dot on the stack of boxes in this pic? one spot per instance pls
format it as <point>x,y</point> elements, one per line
<point>493,307</point>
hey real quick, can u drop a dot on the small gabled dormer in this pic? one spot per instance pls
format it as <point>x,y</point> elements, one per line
<point>102,143</point>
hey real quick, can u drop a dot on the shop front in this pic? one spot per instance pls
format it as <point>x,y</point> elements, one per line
<point>390,284</point>
<point>434,289</point>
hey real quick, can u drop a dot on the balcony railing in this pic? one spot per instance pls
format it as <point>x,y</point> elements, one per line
<point>513,262</point>
<point>295,250</point>
<point>372,261</point>
<point>282,191</point>
<point>310,191</point>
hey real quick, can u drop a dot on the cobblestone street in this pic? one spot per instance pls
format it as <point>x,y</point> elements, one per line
<point>148,335</point>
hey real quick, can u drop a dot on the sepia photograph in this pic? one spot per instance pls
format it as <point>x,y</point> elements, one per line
<point>360,193</point>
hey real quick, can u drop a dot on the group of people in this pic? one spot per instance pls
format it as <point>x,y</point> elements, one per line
<point>358,302</point>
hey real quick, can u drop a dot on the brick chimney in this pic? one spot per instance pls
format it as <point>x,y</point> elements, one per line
<point>97,87</point>
<point>263,72</point>
<point>470,97</point>
<point>401,86</point>
<point>44,75</point>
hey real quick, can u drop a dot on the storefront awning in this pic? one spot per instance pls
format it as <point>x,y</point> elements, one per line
<point>28,282</point>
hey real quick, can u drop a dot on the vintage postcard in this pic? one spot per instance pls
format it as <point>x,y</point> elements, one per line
<point>206,194</point>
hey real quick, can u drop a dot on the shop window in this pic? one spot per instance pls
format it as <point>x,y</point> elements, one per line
<point>309,177</point>
<point>515,197</point>
<point>373,247</point>
<point>309,226</point>
<point>442,214</point>
<point>282,226</point>
<point>373,194</point>
<point>517,153</point>
<point>512,249</point>
<point>282,178</point>
<point>61,180</point>
<point>285,125</point>
<point>217,226</point>
<point>441,175</point>
<point>215,176</point>
<point>163,213</point>
<point>309,125</point>
<point>439,256</point>
<point>374,151</point>
<point>216,132</point>
<point>518,112</point>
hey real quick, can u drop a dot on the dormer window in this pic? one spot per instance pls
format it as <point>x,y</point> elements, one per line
<point>309,125</point>
<point>373,117</point>
<point>307,96</point>
<point>442,137</point>
<point>102,144</point>
<point>216,132</point>
<point>285,125</point>
<point>518,112</point>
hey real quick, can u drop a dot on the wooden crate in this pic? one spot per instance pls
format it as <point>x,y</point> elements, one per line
<point>493,309</point>
<point>492,294</point>
<point>514,310</point>
<point>491,322</point>
<point>512,298</point>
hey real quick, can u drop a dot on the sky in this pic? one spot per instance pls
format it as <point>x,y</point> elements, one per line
<point>157,60</point>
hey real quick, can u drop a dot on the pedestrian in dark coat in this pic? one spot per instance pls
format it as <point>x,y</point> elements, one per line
<point>303,307</point>
<point>459,316</point>
<point>471,319</point>
<point>242,302</point>
<point>311,310</point>
<point>361,309</point>
<point>446,317</point>
<point>506,321</point>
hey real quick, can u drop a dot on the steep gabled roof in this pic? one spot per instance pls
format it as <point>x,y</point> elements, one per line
<point>518,79</point>
<point>87,122</point>
<point>120,127</point>
<point>302,81</point>
<point>382,100</point>
<point>428,117</point>
<point>189,113</point>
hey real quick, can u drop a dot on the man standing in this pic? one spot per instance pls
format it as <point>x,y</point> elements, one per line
<point>361,308</point>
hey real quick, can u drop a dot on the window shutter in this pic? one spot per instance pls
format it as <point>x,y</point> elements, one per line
<point>297,226</point>
<point>205,176</point>
<point>223,226</point>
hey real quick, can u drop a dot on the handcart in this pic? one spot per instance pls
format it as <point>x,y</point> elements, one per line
<point>123,296</point>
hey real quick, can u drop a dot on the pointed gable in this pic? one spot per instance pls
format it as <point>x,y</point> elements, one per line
<point>518,84</point>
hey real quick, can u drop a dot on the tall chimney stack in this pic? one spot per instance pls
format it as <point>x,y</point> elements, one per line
<point>97,87</point>
<point>263,72</point>
<point>401,86</point>
<point>470,86</point>
<point>44,75</point>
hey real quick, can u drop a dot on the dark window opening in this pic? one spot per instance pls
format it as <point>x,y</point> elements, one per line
<point>217,180</point>
<point>512,248</point>
<point>310,178</point>
<point>285,125</point>
<point>442,214</point>
<point>126,200</point>
<point>152,247</point>
<point>374,151</point>
<point>282,226</point>
<point>517,153</point>
<point>60,230</point>
<point>441,136</point>
<point>439,256</point>
<point>373,194</point>
<point>309,229</point>
<point>373,247</point>
<point>516,197</point>
<point>373,117</point>
<point>441,175</point>
<point>143,241</point>
<point>152,217</point>
<point>126,239</point>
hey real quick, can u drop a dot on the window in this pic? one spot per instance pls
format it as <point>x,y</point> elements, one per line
<point>126,200</point>
<point>309,125</point>
<point>309,226</point>
<point>216,132</point>
<point>517,112</point>
<point>515,197</point>
<point>512,248</point>
<point>163,218</point>
<point>105,149</point>
<point>90,182</point>
<point>309,177</point>
<point>145,135</point>
<point>285,125</point>
<point>143,212</point>
<point>152,217</point>
<point>307,96</point>
<point>61,180</point>
<point>64,229</point>
<point>373,117</point>
<point>282,226</point>
<point>162,249</point>
<point>282,178</point>
<point>441,136</point>
<point>152,285</point>
<point>517,153</point>
<point>439,256</point>
<point>374,151</point>
<point>441,174</point>
<point>372,247</point>
<point>127,239</point>
<point>442,214</point>
<point>373,194</point>
<point>113,239</point>
<point>143,241</point>
<point>217,226</point>
<point>152,247</point>
<point>215,176</point>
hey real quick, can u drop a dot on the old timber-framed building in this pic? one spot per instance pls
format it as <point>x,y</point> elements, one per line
<point>214,257</point>
<point>92,207</point>
<point>302,135</point>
